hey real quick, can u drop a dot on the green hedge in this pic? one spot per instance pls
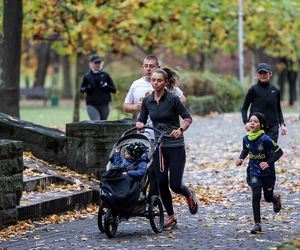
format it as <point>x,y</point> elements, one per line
<point>123,84</point>
<point>211,92</point>
<point>205,91</point>
<point>202,105</point>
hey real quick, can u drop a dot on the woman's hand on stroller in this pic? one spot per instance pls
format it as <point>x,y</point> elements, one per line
<point>139,125</point>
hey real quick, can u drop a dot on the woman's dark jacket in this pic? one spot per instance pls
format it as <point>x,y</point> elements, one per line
<point>264,98</point>
<point>98,87</point>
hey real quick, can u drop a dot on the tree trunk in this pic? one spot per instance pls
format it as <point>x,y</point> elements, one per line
<point>292,79</point>
<point>67,91</point>
<point>202,61</point>
<point>27,63</point>
<point>252,67</point>
<point>10,58</point>
<point>76,110</point>
<point>192,61</point>
<point>55,74</point>
<point>281,82</point>
<point>79,70</point>
<point>43,52</point>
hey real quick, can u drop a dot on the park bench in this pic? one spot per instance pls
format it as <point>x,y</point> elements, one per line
<point>36,93</point>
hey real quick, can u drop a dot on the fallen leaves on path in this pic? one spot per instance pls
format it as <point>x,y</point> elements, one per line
<point>205,195</point>
<point>23,227</point>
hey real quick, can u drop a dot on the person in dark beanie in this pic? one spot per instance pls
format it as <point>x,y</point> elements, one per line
<point>263,153</point>
<point>98,86</point>
<point>261,118</point>
<point>265,98</point>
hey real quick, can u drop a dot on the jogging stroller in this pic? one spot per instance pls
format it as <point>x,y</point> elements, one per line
<point>113,182</point>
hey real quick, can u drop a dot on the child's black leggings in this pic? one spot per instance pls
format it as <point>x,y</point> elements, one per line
<point>256,197</point>
<point>174,163</point>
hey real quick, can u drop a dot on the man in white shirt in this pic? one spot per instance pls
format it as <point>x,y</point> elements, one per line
<point>133,102</point>
<point>141,87</point>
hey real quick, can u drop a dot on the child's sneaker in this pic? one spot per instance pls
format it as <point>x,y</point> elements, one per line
<point>192,202</point>
<point>171,222</point>
<point>277,203</point>
<point>256,228</point>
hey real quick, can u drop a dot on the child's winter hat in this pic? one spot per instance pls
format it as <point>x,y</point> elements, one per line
<point>261,118</point>
<point>136,149</point>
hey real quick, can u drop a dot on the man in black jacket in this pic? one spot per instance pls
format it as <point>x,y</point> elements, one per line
<point>98,85</point>
<point>265,98</point>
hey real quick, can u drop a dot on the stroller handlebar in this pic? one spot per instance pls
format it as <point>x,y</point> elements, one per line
<point>143,129</point>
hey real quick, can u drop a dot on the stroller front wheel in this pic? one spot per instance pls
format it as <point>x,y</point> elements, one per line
<point>156,214</point>
<point>110,223</point>
<point>101,213</point>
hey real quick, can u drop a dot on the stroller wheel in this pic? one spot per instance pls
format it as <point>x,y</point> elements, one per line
<point>156,214</point>
<point>110,223</point>
<point>101,213</point>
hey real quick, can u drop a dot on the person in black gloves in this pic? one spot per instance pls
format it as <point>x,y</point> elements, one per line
<point>97,84</point>
<point>265,98</point>
<point>263,153</point>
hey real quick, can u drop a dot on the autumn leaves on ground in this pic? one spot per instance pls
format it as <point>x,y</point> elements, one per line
<point>213,143</point>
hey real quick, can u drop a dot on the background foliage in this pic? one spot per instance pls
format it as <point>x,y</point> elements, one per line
<point>191,35</point>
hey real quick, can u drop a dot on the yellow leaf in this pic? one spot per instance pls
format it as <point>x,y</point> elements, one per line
<point>170,235</point>
<point>207,225</point>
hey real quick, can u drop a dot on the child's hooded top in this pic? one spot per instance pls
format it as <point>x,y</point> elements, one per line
<point>260,147</point>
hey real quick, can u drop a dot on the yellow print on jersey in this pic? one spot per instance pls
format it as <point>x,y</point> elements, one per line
<point>260,147</point>
<point>257,156</point>
<point>254,179</point>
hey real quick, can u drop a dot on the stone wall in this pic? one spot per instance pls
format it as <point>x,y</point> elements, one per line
<point>89,143</point>
<point>11,180</point>
<point>45,143</point>
<point>85,147</point>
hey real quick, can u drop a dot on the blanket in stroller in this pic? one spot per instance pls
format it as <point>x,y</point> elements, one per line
<point>120,191</point>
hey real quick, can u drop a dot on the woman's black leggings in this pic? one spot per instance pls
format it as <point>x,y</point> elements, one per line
<point>174,162</point>
<point>256,197</point>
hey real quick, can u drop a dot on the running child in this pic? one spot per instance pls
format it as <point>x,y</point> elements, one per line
<point>263,153</point>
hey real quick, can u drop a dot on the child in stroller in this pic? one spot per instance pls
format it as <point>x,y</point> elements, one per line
<point>123,187</point>
<point>135,160</point>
